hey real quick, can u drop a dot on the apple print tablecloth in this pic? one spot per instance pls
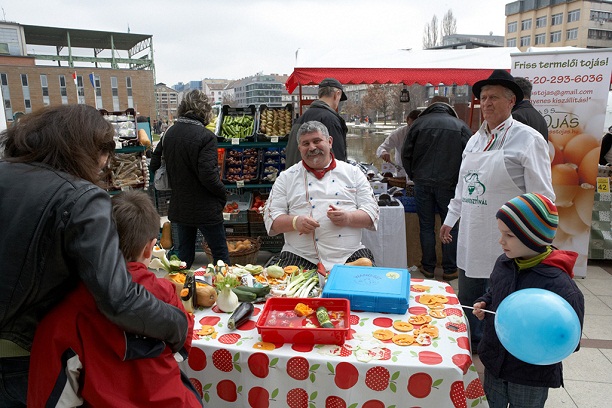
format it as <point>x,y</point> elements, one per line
<point>234,369</point>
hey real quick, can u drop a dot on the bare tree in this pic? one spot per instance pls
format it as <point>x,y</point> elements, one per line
<point>382,99</point>
<point>430,33</point>
<point>449,24</point>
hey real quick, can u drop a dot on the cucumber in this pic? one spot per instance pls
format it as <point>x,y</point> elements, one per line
<point>244,296</point>
<point>260,291</point>
<point>323,318</point>
<point>241,315</point>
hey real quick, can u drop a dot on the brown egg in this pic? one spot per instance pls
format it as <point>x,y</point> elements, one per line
<point>565,183</point>
<point>555,153</point>
<point>585,197</point>
<point>570,222</point>
<point>560,137</point>
<point>578,147</point>
<point>587,171</point>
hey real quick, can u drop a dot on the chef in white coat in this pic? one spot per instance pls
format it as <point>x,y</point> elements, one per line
<point>504,159</point>
<point>321,205</point>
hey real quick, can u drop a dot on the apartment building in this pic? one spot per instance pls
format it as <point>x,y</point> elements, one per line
<point>166,102</point>
<point>559,23</point>
<point>42,66</point>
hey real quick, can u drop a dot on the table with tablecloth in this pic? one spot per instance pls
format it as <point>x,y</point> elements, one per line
<point>600,244</point>
<point>388,242</point>
<point>234,368</point>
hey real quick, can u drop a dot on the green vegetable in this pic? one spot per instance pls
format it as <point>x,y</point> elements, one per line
<point>244,296</point>
<point>323,318</point>
<point>260,291</point>
<point>241,315</point>
<point>275,271</point>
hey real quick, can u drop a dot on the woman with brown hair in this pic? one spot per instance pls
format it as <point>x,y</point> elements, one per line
<point>56,230</point>
<point>198,195</point>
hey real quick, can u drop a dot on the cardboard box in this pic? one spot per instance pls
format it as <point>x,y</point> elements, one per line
<point>385,290</point>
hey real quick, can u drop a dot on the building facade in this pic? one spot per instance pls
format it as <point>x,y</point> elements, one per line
<point>258,90</point>
<point>559,23</point>
<point>166,101</point>
<point>107,80</point>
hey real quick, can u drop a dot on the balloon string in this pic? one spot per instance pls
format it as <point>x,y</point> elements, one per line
<point>473,308</point>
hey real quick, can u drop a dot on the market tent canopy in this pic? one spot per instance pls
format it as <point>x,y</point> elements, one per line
<point>447,66</point>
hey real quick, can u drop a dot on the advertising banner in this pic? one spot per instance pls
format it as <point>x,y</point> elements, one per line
<point>570,89</point>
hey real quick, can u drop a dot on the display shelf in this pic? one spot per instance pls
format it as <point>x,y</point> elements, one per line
<point>131,149</point>
<point>253,144</point>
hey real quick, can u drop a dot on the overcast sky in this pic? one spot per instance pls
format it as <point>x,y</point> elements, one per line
<point>196,39</point>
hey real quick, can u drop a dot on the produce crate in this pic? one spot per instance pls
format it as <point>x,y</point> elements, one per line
<point>229,115</point>
<point>162,201</point>
<point>241,165</point>
<point>273,329</point>
<point>274,122</point>
<point>126,171</point>
<point>233,230</point>
<point>408,202</point>
<point>243,201</point>
<point>242,257</point>
<point>268,243</point>
<point>253,215</point>
<point>273,162</point>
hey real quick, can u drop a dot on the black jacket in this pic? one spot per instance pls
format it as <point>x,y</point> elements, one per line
<point>190,151</point>
<point>525,113</point>
<point>434,146</point>
<point>552,274</point>
<point>57,230</point>
<point>321,112</point>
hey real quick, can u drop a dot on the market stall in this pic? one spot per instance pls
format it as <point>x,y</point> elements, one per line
<point>234,368</point>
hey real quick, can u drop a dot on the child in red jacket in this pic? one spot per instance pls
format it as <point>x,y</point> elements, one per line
<point>79,357</point>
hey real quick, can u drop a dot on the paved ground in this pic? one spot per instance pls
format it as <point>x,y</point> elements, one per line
<point>587,373</point>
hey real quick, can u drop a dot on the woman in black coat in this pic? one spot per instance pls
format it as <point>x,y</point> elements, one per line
<point>198,195</point>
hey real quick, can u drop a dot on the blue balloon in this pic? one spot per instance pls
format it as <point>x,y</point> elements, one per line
<point>537,326</point>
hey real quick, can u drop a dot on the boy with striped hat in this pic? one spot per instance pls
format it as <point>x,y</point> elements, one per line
<point>527,224</point>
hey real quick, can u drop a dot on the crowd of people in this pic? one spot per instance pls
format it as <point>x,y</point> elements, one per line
<point>75,260</point>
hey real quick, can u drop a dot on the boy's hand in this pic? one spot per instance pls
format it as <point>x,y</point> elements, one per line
<point>478,312</point>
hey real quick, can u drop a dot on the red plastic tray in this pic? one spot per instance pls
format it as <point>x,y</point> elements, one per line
<point>278,324</point>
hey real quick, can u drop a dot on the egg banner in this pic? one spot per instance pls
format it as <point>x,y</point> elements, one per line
<point>570,89</point>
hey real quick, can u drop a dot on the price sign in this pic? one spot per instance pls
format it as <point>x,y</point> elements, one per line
<point>274,139</point>
<point>603,185</point>
<point>240,184</point>
<point>235,141</point>
<point>226,216</point>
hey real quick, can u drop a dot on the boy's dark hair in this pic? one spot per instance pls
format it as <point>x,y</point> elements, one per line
<point>137,222</point>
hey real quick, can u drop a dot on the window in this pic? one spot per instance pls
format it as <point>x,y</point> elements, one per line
<point>4,79</point>
<point>45,85</point>
<point>28,104</point>
<point>24,79</point>
<point>602,16</point>
<point>526,24</point>
<point>512,27</point>
<point>555,36</point>
<point>114,89</point>
<point>128,85</point>
<point>25,88</point>
<point>526,41</point>
<point>540,39</point>
<point>511,42</point>
<point>541,22</point>
<point>573,15</point>
<point>556,19</point>
<point>63,93</point>
<point>572,34</point>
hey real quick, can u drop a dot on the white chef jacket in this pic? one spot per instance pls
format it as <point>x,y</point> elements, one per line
<point>525,155</point>
<point>298,192</point>
<point>395,141</point>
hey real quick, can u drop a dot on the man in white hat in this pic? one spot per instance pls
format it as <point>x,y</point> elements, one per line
<point>504,159</point>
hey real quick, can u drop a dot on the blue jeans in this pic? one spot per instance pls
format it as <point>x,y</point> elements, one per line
<point>500,393</point>
<point>214,236</point>
<point>14,381</point>
<point>429,201</point>
<point>471,289</point>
